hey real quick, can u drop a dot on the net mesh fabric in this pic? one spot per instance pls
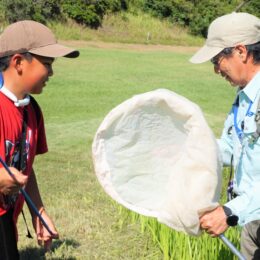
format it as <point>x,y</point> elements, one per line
<point>156,155</point>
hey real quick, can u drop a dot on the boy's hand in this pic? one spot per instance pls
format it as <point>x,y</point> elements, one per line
<point>43,236</point>
<point>11,184</point>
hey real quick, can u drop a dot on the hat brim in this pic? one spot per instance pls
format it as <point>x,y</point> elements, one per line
<point>54,51</point>
<point>205,54</point>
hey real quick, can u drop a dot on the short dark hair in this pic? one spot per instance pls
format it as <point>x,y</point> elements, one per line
<point>5,61</point>
<point>254,50</point>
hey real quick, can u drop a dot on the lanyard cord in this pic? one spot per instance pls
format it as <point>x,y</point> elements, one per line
<point>22,162</point>
<point>230,181</point>
<point>240,134</point>
<point>239,131</point>
<point>23,158</point>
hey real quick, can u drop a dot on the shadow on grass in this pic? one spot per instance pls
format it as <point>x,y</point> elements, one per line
<point>32,253</point>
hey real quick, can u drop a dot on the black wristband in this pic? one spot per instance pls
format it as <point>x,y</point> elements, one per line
<point>232,220</point>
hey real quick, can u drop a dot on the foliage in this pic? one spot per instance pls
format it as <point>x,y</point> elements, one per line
<point>178,245</point>
<point>38,10</point>
<point>204,12</point>
<point>252,7</point>
<point>91,13</point>
<point>196,14</point>
<point>85,12</point>
<point>176,10</point>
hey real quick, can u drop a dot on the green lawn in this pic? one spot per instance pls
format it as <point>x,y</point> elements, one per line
<point>74,103</point>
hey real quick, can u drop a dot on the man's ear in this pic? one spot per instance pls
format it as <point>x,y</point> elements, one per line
<point>242,52</point>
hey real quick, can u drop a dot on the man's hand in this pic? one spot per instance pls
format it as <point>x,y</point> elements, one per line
<point>214,222</point>
<point>11,184</point>
<point>43,236</point>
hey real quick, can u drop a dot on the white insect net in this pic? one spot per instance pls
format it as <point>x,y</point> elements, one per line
<point>156,155</point>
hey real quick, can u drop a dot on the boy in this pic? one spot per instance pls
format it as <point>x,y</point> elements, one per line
<point>27,51</point>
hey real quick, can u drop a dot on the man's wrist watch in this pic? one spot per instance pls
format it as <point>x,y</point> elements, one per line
<point>231,218</point>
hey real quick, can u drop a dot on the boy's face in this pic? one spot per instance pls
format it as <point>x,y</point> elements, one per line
<point>37,72</point>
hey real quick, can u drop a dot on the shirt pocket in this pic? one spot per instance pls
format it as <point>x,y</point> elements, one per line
<point>249,125</point>
<point>249,130</point>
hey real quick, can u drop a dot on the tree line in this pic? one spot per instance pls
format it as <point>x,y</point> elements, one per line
<point>194,14</point>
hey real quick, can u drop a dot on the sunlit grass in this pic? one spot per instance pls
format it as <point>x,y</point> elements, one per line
<point>74,103</point>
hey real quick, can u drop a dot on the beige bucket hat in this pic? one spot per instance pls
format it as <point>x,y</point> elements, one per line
<point>228,31</point>
<point>33,37</point>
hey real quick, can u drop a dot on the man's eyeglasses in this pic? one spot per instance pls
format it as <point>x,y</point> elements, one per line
<point>216,59</point>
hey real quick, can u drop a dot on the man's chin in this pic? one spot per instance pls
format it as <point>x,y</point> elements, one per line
<point>233,84</point>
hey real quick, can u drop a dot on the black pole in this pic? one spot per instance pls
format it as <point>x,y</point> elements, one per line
<point>27,199</point>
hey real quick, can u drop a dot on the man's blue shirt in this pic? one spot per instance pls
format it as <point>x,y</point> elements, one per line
<point>246,155</point>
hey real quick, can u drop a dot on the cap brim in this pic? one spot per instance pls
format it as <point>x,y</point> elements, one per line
<point>205,54</point>
<point>55,51</point>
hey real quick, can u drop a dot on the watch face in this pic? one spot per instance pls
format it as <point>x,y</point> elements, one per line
<point>232,220</point>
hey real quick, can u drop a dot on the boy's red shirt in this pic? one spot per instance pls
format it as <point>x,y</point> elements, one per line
<point>11,121</point>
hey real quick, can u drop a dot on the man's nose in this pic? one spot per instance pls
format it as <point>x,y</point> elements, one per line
<point>216,69</point>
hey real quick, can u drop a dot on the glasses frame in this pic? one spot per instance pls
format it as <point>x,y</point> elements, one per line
<point>224,53</point>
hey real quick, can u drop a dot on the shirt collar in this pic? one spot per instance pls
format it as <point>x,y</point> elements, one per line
<point>252,88</point>
<point>17,102</point>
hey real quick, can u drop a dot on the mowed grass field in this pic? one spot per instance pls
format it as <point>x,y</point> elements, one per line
<point>75,101</point>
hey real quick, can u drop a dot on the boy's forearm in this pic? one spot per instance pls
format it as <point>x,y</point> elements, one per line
<point>34,193</point>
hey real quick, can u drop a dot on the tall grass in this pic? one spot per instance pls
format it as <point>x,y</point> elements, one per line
<point>177,245</point>
<point>129,28</point>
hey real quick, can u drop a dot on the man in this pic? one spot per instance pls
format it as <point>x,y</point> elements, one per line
<point>233,46</point>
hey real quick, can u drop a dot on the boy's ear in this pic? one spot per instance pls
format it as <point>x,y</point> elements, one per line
<point>16,62</point>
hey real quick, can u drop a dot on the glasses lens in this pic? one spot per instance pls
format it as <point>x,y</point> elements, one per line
<point>215,60</point>
<point>225,52</point>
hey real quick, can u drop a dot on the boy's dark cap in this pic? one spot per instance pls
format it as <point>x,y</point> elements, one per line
<point>33,37</point>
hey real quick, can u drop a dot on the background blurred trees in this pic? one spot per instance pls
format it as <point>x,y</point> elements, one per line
<point>38,10</point>
<point>194,14</point>
<point>197,14</point>
<point>89,12</point>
